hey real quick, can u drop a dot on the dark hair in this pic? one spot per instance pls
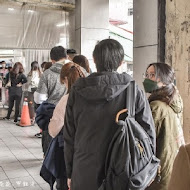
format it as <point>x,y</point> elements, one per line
<point>34,67</point>
<point>57,53</point>
<point>82,61</point>
<point>71,51</point>
<point>108,55</point>
<point>166,75</point>
<point>17,68</point>
<point>73,72</point>
<point>43,64</point>
<point>47,65</point>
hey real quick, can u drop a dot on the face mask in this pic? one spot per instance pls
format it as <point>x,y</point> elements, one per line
<point>150,85</point>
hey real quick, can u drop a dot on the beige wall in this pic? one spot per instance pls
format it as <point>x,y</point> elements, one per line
<point>178,51</point>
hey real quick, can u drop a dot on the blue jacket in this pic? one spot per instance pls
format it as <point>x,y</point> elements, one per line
<point>44,114</point>
<point>53,166</point>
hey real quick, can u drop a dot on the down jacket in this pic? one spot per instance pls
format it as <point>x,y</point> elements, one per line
<point>90,125</point>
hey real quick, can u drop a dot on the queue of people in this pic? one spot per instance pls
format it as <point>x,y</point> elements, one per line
<point>82,106</point>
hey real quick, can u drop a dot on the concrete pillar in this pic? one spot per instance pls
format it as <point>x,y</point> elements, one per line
<point>145,36</point>
<point>91,25</point>
<point>178,51</point>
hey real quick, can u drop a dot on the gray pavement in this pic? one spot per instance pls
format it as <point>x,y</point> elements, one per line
<point>20,157</point>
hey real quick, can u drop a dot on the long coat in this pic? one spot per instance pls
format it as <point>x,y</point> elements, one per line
<point>90,125</point>
<point>169,137</point>
<point>180,178</point>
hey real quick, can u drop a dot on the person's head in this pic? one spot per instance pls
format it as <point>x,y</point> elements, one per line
<point>82,61</point>
<point>58,53</point>
<point>71,53</point>
<point>108,55</point>
<point>70,73</point>
<point>42,65</point>
<point>34,66</point>
<point>3,63</point>
<point>17,68</point>
<point>159,77</point>
<point>47,65</point>
<point>9,68</point>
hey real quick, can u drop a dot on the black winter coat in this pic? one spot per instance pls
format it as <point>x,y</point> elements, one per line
<point>90,125</point>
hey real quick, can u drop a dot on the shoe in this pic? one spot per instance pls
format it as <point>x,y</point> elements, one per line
<point>6,118</point>
<point>15,120</point>
<point>39,135</point>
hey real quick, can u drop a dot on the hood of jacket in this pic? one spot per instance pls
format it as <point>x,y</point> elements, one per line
<point>56,67</point>
<point>102,86</point>
<point>177,104</point>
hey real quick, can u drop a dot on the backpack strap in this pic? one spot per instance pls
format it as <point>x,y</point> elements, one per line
<point>130,99</point>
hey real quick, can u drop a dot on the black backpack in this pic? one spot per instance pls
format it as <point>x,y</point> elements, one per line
<point>130,162</point>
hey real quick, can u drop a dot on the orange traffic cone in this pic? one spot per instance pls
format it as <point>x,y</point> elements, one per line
<point>25,116</point>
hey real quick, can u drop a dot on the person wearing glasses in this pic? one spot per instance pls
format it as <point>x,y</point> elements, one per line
<point>167,111</point>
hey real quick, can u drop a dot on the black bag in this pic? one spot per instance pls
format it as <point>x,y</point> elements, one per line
<point>130,162</point>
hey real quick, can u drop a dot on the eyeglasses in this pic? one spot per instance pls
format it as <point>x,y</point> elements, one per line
<point>149,75</point>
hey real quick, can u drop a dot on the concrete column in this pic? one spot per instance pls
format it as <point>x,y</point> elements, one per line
<point>145,36</point>
<point>178,51</point>
<point>91,25</point>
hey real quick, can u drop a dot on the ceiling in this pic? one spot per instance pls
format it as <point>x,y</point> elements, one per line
<point>55,4</point>
<point>28,26</point>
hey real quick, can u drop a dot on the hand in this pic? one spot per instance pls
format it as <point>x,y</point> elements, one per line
<point>69,183</point>
<point>19,85</point>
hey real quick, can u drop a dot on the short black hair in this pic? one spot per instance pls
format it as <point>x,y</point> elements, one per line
<point>71,51</point>
<point>57,53</point>
<point>108,55</point>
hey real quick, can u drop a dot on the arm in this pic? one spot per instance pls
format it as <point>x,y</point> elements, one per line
<point>57,121</point>
<point>23,79</point>
<point>69,135</point>
<point>143,116</point>
<point>41,94</point>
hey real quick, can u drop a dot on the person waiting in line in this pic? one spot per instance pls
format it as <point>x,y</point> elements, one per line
<point>46,65</point>
<point>51,87</point>
<point>167,109</point>
<point>71,53</point>
<point>17,79</point>
<point>82,61</point>
<point>32,84</point>
<point>90,115</point>
<point>70,73</point>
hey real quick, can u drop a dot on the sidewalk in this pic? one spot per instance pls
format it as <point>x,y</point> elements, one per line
<point>20,158</point>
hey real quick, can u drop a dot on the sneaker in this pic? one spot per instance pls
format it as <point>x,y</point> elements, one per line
<point>6,118</point>
<point>39,135</point>
<point>15,120</point>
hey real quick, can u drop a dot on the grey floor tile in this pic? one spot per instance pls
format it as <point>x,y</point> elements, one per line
<point>3,176</point>
<point>33,171</point>
<point>17,173</point>
<point>45,186</point>
<point>39,179</point>
<point>12,166</point>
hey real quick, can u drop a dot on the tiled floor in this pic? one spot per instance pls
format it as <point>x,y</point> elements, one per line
<point>20,157</point>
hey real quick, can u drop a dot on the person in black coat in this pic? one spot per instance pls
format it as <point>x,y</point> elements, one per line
<point>17,79</point>
<point>90,117</point>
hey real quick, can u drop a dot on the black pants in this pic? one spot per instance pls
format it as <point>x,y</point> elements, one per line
<point>12,99</point>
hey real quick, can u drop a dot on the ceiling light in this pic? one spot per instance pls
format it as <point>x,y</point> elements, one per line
<point>11,9</point>
<point>60,25</point>
<point>30,11</point>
